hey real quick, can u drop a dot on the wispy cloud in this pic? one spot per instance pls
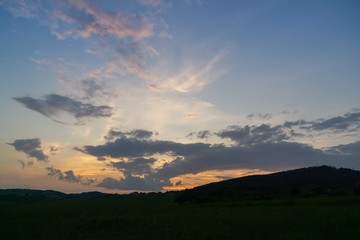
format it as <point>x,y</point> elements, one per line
<point>24,163</point>
<point>82,19</point>
<point>201,134</point>
<point>116,32</point>
<point>22,8</point>
<point>159,5</point>
<point>190,79</point>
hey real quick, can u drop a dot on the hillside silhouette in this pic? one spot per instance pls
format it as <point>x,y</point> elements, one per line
<point>302,182</point>
<point>299,182</point>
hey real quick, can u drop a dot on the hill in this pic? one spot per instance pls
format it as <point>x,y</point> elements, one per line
<point>299,182</point>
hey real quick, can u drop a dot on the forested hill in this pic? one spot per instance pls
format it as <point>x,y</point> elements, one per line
<point>298,182</point>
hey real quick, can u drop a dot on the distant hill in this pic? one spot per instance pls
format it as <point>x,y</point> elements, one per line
<point>299,182</point>
<point>33,193</point>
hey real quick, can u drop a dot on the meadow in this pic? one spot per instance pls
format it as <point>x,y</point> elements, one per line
<point>157,216</point>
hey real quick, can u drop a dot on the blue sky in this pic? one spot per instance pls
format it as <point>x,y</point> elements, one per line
<point>153,95</point>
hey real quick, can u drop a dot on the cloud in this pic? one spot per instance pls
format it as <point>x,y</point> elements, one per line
<point>53,104</point>
<point>122,35</point>
<point>351,149</point>
<point>346,123</point>
<point>80,18</point>
<point>91,88</point>
<point>153,3</point>
<point>263,147</point>
<point>201,134</point>
<point>68,176</point>
<point>264,156</point>
<point>190,79</point>
<point>21,8</point>
<point>132,148</point>
<point>158,5</point>
<point>339,123</point>
<point>135,134</point>
<point>55,149</point>
<point>135,166</point>
<point>24,164</point>
<point>165,35</point>
<point>250,135</point>
<point>138,175</point>
<point>31,147</point>
<point>133,183</point>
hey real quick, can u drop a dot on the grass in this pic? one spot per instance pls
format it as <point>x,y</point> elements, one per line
<point>157,217</point>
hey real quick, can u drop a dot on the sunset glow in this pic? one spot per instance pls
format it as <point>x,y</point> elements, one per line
<point>156,95</point>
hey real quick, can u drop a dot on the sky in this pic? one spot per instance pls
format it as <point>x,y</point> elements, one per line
<point>158,95</point>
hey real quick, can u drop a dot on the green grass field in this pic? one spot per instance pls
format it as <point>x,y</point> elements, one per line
<point>157,217</point>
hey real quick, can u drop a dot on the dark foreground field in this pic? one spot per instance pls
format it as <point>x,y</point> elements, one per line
<point>158,217</point>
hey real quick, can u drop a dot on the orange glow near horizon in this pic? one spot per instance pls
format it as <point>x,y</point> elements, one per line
<point>194,180</point>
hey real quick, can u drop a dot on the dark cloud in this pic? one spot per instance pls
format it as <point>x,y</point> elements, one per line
<point>345,123</point>
<point>265,116</point>
<point>129,182</point>
<point>55,149</point>
<point>135,134</point>
<point>264,156</point>
<point>351,149</point>
<point>24,163</point>
<point>69,176</point>
<point>204,134</point>
<point>53,104</point>
<point>290,124</point>
<point>250,135</point>
<point>132,147</point>
<point>135,166</point>
<point>201,134</point>
<point>261,147</point>
<point>31,147</point>
<point>138,175</point>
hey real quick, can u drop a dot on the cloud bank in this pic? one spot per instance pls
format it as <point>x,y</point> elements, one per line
<point>264,147</point>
